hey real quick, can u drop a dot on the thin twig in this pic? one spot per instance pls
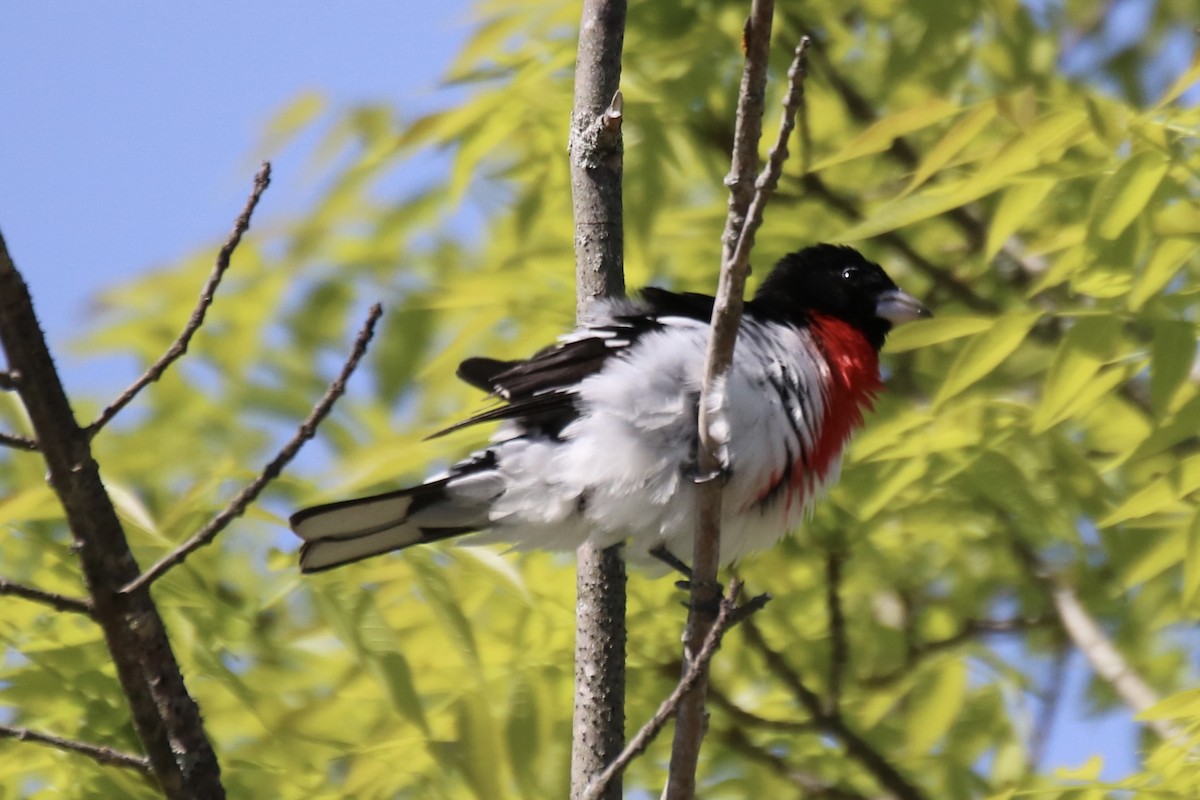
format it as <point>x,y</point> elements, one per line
<point>749,719</point>
<point>238,505</point>
<point>832,722</point>
<point>728,615</point>
<point>812,787</point>
<point>972,628</point>
<point>180,345</point>
<point>838,650</point>
<point>727,312</point>
<point>768,179</point>
<point>59,602</point>
<point>101,755</point>
<point>18,442</point>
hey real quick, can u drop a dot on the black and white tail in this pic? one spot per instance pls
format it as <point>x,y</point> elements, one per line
<point>351,530</point>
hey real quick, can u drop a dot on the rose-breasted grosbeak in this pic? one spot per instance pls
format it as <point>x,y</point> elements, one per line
<point>600,430</point>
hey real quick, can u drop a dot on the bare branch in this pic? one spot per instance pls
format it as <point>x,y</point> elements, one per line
<point>165,716</point>
<point>744,219</point>
<point>1107,661</point>
<point>838,650</point>
<point>728,615</point>
<point>59,602</point>
<point>1083,629</point>
<point>18,442</point>
<point>180,345</point>
<point>597,163</point>
<point>102,755</point>
<point>972,629</point>
<point>749,719</point>
<point>812,787</point>
<point>238,505</point>
<point>832,722</point>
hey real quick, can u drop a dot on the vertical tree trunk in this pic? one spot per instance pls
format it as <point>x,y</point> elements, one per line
<point>596,163</point>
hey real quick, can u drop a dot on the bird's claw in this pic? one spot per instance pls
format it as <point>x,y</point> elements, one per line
<point>692,473</point>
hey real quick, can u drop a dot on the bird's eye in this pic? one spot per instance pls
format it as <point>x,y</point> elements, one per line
<point>850,273</point>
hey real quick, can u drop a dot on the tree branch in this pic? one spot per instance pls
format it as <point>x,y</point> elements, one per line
<point>18,442</point>
<point>1085,632</point>
<point>971,629</point>
<point>597,162</point>
<point>59,602</point>
<point>238,505</point>
<point>728,615</point>
<point>838,650</point>
<point>744,218</point>
<point>812,787</point>
<point>1107,661</point>
<point>101,755</point>
<point>261,181</point>
<point>832,722</point>
<point>165,717</point>
<point>748,719</point>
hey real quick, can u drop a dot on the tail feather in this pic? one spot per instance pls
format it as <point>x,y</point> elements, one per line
<point>351,530</point>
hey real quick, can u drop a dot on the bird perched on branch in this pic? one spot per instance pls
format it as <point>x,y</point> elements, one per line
<point>599,432</point>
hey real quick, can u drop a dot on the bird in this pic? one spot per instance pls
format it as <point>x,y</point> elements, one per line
<point>599,431</point>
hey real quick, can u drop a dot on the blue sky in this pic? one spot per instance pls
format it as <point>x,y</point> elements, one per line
<point>131,128</point>
<point>130,140</point>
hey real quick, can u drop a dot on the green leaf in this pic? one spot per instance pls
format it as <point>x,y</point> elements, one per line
<point>986,351</point>
<point>478,749</point>
<point>436,589</point>
<point>1088,346</point>
<point>1172,354</point>
<point>291,120</point>
<point>1121,197</point>
<point>1163,492</point>
<point>1191,563</point>
<point>1165,552</point>
<point>961,133</point>
<point>924,333</point>
<point>1166,260</point>
<point>1015,207</point>
<point>938,707</point>
<point>880,136</point>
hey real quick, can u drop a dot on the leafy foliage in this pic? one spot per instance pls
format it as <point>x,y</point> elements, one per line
<point>1044,424</point>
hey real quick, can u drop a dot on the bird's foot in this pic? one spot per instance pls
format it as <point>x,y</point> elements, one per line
<point>676,563</point>
<point>694,474</point>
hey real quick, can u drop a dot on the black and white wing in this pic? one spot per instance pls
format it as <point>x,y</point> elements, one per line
<point>540,393</point>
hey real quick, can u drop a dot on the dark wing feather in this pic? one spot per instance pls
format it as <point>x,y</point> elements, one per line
<point>539,392</point>
<point>481,372</point>
<point>664,303</point>
<point>549,412</point>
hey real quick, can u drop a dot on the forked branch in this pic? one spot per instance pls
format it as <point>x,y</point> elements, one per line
<point>238,505</point>
<point>261,181</point>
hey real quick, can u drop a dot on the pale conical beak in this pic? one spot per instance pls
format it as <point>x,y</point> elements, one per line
<point>898,306</point>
